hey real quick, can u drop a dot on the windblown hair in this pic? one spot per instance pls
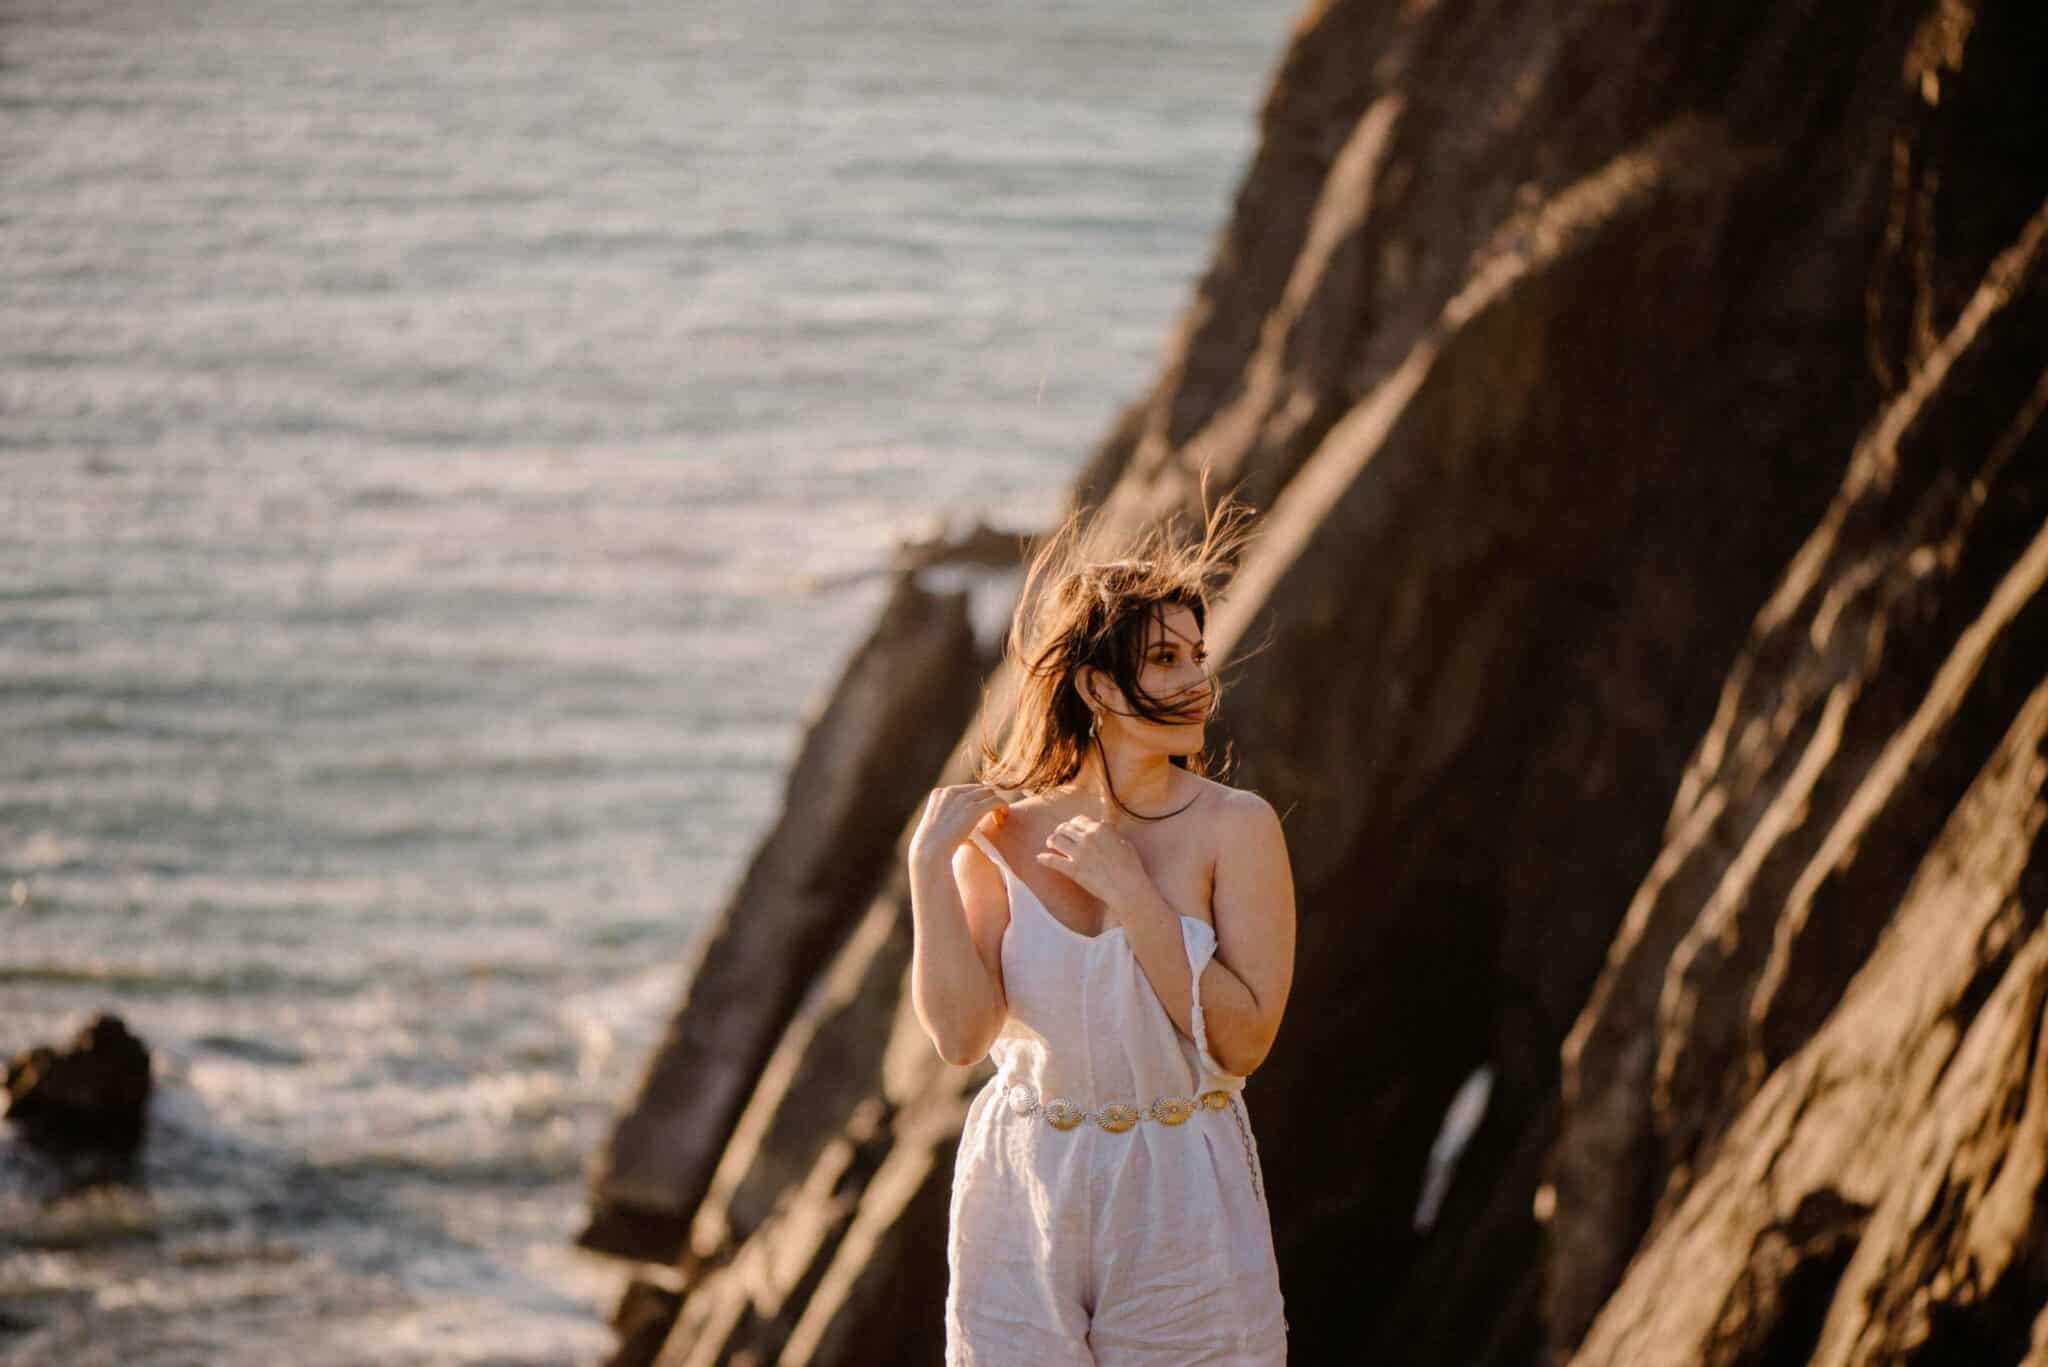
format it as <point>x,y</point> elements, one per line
<point>1076,610</point>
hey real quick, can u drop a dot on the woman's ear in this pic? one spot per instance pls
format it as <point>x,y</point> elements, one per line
<point>1084,683</point>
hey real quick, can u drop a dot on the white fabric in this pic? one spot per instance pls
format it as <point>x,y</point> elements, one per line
<point>1147,1248</point>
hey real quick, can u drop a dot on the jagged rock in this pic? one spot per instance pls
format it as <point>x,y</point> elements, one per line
<point>1880,1198</point>
<point>783,1248</point>
<point>645,1313</point>
<point>1877,681</point>
<point>980,544</point>
<point>862,769</point>
<point>92,1094</point>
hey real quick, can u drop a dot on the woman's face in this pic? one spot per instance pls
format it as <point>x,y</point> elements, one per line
<point>1173,674</point>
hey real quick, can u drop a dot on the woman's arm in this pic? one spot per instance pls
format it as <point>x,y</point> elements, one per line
<point>1244,985</point>
<point>1253,903</point>
<point>959,907</point>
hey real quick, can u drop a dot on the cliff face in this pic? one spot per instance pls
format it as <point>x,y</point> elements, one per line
<point>1645,651</point>
<point>1870,782</point>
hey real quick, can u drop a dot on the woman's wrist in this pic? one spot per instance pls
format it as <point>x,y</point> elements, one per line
<point>1144,902</point>
<point>931,859</point>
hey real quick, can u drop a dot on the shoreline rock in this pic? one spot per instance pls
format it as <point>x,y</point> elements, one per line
<point>860,770</point>
<point>87,1097</point>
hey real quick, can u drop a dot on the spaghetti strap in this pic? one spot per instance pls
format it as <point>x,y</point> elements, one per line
<point>1199,939</point>
<point>1016,886</point>
<point>990,850</point>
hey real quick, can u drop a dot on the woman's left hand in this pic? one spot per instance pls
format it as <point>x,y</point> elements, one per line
<point>1097,858</point>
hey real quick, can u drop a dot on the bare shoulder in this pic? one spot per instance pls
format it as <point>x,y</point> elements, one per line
<point>1253,901</point>
<point>1243,837</point>
<point>1029,806</point>
<point>1242,817</point>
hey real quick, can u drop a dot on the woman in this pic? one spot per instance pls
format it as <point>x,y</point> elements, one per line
<point>1121,940</point>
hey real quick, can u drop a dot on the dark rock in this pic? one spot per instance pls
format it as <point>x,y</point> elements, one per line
<point>981,544</point>
<point>862,770</point>
<point>1876,684</point>
<point>1881,1193</point>
<point>93,1094</point>
<point>641,1320</point>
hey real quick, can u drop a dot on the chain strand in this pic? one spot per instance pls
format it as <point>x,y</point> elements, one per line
<point>1251,1160</point>
<point>1166,1110</point>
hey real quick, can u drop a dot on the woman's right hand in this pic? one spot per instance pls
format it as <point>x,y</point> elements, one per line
<point>950,816</point>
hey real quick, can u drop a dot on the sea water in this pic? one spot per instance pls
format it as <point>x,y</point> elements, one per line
<point>445,449</point>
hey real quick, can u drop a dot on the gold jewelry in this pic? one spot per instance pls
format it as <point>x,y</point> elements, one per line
<point>1116,1117</point>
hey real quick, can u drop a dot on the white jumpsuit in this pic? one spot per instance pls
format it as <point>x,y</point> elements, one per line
<point>1145,1247</point>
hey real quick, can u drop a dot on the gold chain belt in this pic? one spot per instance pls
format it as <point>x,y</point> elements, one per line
<point>1117,1117</point>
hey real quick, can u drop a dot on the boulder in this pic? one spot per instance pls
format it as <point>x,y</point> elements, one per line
<point>89,1095</point>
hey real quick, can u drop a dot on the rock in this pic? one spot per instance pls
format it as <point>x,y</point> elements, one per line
<point>1877,682</point>
<point>92,1094</point>
<point>980,545</point>
<point>863,768</point>
<point>1879,1198</point>
<point>784,1243</point>
<point>642,1319</point>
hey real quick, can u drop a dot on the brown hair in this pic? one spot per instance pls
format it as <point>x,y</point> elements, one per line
<point>1075,611</point>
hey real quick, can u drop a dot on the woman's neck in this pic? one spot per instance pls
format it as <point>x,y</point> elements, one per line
<point>1146,782</point>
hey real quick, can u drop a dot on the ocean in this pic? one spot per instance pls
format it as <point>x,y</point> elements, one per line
<point>446,451</point>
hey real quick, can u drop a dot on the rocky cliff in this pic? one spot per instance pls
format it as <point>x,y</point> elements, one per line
<point>1645,648</point>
